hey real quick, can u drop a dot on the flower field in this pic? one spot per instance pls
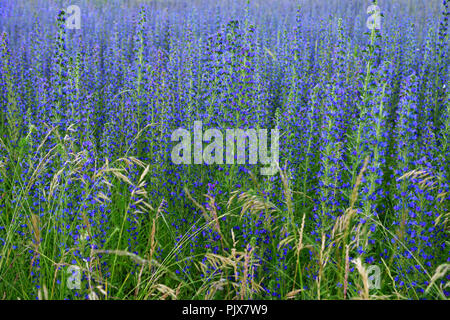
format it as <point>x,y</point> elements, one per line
<point>92,205</point>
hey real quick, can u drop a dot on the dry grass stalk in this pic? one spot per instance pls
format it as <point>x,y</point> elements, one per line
<point>287,191</point>
<point>364,294</point>
<point>254,204</point>
<point>43,293</point>
<point>247,266</point>
<point>213,212</point>
<point>166,291</point>
<point>322,263</point>
<point>441,271</point>
<point>35,222</point>
<point>152,243</point>
<point>426,180</point>
<point>347,269</point>
<point>291,295</point>
<point>223,263</point>
<point>36,232</point>
<point>343,222</point>
<point>244,285</point>
<point>299,247</point>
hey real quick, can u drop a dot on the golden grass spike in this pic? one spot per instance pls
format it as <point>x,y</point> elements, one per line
<point>122,177</point>
<point>440,272</point>
<point>291,295</point>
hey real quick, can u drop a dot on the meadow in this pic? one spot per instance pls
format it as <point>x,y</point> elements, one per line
<point>93,207</point>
